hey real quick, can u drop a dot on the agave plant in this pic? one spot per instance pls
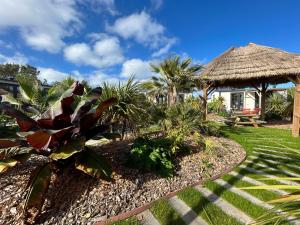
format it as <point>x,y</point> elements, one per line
<point>59,134</point>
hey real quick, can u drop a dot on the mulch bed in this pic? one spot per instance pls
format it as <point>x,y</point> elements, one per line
<point>78,199</point>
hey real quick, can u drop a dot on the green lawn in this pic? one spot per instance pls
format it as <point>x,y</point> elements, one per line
<point>279,142</point>
<point>165,214</point>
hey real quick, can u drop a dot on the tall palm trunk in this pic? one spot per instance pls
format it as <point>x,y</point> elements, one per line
<point>172,95</point>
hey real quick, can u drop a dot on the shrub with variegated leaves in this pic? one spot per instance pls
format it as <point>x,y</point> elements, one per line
<point>60,133</point>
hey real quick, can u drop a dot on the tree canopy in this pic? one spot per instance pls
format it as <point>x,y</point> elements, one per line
<point>10,71</point>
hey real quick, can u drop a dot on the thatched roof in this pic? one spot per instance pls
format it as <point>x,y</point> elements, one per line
<point>252,64</point>
<point>3,92</point>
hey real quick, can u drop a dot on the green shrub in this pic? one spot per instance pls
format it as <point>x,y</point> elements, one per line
<point>210,128</point>
<point>178,138</point>
<point>152,155</point>
<point>217,106</point>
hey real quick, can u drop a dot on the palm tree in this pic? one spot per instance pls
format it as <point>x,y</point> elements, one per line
<point>129,109</point>
<point>154,89</point>
<point>176,75</point>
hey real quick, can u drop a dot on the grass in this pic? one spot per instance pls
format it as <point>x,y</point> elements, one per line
<point>260,194</point>
<point>165,214</point>
<point>129,221</point>
<point>204,208</point>
<point>249,138</point>
<point>241,203</point>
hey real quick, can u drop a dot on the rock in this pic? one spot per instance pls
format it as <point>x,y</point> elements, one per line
<point>13,210</point>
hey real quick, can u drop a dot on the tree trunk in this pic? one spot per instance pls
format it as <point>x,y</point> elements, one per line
<point>123,129</point>
<point>174,95</point>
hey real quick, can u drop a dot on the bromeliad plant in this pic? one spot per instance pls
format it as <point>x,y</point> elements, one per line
<point>59,134</point>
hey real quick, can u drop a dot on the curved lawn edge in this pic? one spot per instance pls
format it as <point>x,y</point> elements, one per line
<point>134,212</point>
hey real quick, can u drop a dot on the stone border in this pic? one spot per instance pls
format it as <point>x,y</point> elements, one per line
<point>139,210</point>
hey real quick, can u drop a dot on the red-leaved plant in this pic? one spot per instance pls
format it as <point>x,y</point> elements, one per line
<point>60,134</point>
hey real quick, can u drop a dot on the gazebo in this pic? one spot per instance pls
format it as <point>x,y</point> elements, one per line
<point>257,66</point>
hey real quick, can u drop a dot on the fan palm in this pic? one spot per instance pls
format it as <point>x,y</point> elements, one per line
<point>176,75</point>
<point>130,105</point>
<point>154,89</point>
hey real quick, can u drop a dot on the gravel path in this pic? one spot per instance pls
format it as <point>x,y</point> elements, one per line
<point>78,199</point>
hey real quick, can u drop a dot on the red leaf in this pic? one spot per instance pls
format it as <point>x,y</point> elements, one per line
<point>91,118</point>
<point>41,140</point>
<point>78,88</point>
<point>58,115</point>
<point>104,105</point>
<point>59,122</point>
<point>8,143</point>
<point>25,122</point>
<point>49,139</point>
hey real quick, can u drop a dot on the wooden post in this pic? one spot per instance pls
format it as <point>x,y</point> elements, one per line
<point>264,87</point>
<point>296,112</point>
<point>205,97</point>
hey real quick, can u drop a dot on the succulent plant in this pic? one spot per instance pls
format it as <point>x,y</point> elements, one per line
<point>60,134</point>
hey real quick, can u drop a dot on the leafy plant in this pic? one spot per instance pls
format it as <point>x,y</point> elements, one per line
<point>176,75</point>
<point>152,155</point>
<point>217,106</point>
<point>128,113</point>
<point>210,128</point>
<point>279,106</point>
<point>59,134</point>
<point>275,106</point>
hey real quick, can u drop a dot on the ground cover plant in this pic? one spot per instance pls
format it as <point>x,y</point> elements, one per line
<point>59,135</point>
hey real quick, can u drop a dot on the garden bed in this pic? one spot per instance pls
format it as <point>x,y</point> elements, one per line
<point>79,199</point>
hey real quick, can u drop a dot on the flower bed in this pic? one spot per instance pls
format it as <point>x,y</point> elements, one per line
<point>79,199</point>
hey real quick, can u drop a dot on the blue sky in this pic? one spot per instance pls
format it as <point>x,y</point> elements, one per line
<point>108,40</point>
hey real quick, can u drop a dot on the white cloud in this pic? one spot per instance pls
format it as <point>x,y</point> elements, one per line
<point>165,49</point>
<point>156,4</point>
<point>137,67</point>
<point>104,5</point>
<point>6,45</point>
<point>95,78</point>
<point>42,24</point>
<point>141,27</point>
<point>51,75</point>
<point>17,58</point>
<point>103,53</point>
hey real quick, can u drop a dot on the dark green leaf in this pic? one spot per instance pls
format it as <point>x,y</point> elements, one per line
<point>93,164</point>
<point>37,187</point>
<point>68,149</point>
<point>6,164</point>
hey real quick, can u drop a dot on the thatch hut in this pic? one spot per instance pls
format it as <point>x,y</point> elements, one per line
<point>257,66</point>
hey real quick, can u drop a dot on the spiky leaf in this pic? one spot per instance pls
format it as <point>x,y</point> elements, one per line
<point>37,187</point>
<point>68,149</point>
<point>14,152</point>
<point>93,164</point>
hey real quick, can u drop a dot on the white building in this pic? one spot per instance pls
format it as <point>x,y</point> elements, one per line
<point>240,99</point>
